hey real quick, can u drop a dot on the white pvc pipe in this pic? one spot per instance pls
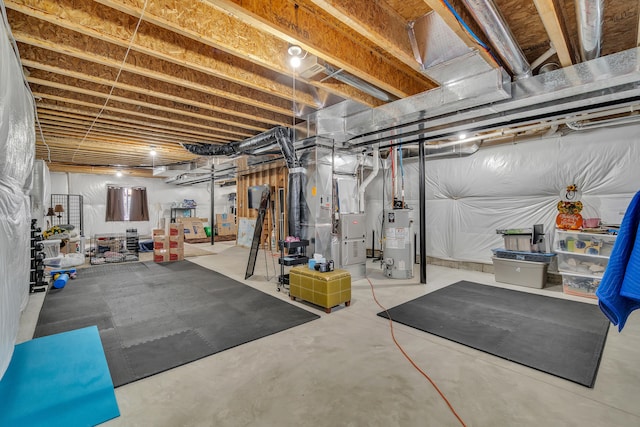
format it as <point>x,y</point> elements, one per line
<point>368,179</point>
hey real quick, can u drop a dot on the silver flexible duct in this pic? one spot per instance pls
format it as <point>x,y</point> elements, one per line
<point>494,26</point>
<point>589,16</point>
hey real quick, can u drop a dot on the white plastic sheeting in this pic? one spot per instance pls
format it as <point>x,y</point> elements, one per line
<point>17,145</point>
<point>515,186</point>
<point>160,196</point>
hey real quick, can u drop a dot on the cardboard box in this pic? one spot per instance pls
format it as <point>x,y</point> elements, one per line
<point>220,218</point>
<point>182,220</point>
<point>157,232</point>
<point>160,242</point>
<point>226,228</point>
<point>175,244</point>
<point>194,230</point>
<point>176,254</point>
<point>161,255</point>
<point>178,237</point>
<point>176,229</point>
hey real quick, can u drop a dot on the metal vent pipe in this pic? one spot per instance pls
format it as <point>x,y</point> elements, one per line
<point>589,16</point>
<point>494,26</point>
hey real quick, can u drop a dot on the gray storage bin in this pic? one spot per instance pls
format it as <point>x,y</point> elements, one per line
<point>523,273</point>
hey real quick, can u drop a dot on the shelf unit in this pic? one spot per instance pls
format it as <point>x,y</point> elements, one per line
<point>291,259</point>
<point>175,211</point>
<point>582,260</point>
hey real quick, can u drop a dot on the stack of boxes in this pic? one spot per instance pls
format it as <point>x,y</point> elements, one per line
<point>168,247</point>
<point>226,224</point>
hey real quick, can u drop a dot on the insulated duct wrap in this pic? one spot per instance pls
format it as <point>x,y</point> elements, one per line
<point>278,137</point>
<point>17,145</point>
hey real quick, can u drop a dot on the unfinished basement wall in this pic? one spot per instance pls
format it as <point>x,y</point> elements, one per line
<point>515,186</point>
<point>160,197</point>
<point>17,148</point>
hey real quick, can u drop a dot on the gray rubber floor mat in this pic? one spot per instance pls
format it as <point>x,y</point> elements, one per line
<point>561,337</point>
<point>153,317</point>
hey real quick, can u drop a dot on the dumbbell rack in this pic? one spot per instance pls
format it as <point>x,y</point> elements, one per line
<point>36,273</point>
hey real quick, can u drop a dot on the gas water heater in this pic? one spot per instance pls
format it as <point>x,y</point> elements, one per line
<point>398,244</point>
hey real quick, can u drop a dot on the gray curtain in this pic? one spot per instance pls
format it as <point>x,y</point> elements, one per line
<point>115,204</point>
<point>138,209</point>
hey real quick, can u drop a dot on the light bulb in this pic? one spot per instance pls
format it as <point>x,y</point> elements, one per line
<point>462,136</point>
<point>295,61</point>
<point>118,174</point>
<point>152,152</point>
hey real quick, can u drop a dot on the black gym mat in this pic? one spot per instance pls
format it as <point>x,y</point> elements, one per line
<point>153,317</point>
<point>556,336</point>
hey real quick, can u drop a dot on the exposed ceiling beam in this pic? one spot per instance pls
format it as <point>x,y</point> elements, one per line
<point>377,22</point>
<point>40,60</point>
<point>236,36</point>
<point>80,89</point>
<point>118,123</point>
<point>99,170</point>
<point>70,44</point>
<point>96,21</point>
<point>47,99</point>
<point>303,23</point>
<point>551,16</point>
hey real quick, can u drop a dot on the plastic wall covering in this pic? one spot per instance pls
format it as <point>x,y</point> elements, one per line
<point>17,145</point>
<point>160,197</point>
<point>514,186</point>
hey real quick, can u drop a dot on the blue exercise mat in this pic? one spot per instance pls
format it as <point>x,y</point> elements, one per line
<point>58,380</point>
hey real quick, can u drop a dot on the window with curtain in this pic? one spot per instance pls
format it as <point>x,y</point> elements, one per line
<point>127,204</point>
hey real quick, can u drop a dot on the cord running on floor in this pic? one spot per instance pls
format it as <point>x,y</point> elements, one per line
<point>424,374</point>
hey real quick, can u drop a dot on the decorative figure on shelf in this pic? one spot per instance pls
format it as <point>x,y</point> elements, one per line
<point>569,208</point>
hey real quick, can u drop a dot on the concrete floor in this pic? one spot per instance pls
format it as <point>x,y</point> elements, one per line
<point>344,370</point>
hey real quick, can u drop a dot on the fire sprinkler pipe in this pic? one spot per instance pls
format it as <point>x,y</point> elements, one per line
<point>367,181</point>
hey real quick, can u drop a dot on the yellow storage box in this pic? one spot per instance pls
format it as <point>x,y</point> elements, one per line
<point>324,289</point>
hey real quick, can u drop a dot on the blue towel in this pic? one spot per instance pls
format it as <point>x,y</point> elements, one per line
<point>619,291</point>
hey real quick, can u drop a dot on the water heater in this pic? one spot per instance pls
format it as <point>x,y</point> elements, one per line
<point>398,244</point>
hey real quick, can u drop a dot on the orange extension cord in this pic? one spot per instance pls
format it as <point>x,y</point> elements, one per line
<point>393,336</point>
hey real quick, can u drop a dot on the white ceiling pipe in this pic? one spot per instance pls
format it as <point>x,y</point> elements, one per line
<point>368,179</point>
<point>571,122</point>
<point>494,26</point>
<point>589,16</point>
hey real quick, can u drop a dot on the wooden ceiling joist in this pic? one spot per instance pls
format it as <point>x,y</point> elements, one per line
<point>96,21</point>
<point>161,90</point>
<point>140,99</point>
<point>245,34</point>
<point>120,125</point>
<point>86,109</point>
<point>550,14</point>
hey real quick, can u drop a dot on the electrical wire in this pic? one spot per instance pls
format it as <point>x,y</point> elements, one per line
<point>469,30</point>
<point>404,353</point>
<point>106,101</point>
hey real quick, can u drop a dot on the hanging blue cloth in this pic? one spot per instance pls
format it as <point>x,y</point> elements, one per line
<point>619,291</point>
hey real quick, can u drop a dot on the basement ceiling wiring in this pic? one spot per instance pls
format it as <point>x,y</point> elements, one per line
<point>115,81</point>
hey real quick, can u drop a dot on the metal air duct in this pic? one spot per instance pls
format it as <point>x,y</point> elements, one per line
<point>589,15</point>
<point>494,26</point>
<point>442,54</point>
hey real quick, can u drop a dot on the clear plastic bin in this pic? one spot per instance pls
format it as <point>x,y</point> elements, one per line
<point>580,285</point>
<point>51,248</point>
<point>592,265</point>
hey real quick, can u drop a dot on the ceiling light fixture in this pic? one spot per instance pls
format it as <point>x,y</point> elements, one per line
<point>153,150</point>
<point>462,136</point>
<point>118,174</point>
<point>295,55</point>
